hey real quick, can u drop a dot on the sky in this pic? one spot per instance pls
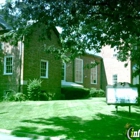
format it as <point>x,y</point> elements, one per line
<point>2,1</point>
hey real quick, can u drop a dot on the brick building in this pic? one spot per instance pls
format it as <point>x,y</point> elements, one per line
<point>29,60</point>
<point>82,72</point>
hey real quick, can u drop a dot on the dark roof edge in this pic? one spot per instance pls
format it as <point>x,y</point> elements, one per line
<point>4,24</point>
<point>93,55</point>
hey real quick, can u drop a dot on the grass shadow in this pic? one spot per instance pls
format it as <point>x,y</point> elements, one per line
<point>100,127</point>
<point>3,113</point>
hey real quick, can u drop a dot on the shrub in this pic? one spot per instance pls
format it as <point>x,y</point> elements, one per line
<point>46,96</point>
<point>50,95</point>
<point>11,95</point>
<point>34,89</point>
<point>19,97</point>
<point>97,93</point>
<point>93,92</point>
<point>101,93</point>
<point>62,96</point>
<point>74,92</point>
<point>43,95</point>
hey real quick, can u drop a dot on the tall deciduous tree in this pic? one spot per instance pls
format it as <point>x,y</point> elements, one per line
<point>85,24</point>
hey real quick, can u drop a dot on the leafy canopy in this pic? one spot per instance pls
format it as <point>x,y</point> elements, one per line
<point>85,24</point>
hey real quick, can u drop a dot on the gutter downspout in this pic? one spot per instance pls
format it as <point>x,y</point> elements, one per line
<point>21,64</point>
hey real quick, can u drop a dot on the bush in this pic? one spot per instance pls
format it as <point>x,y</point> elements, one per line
<point>46,96</point>
<point>9,95</point>
<point>19,97</point>
<point>34,89</point>
<point>101,93</point>
<point>97,93</point>
<point>13,96</point>
<point>74,93</point>
<point>43,95</point>
<point>50,95</point>
<point>93,92</point>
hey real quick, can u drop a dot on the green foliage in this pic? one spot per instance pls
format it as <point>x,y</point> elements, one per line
<point>138,87</point>
<point>46,96</point>
<point>34,89</point>
<point>43,96</point>
<point>11,95</point>
<point>74,93</point>
<point>97,93</point>
<point>20,97</point>
<point>93,92</point>
<point>85,24</point>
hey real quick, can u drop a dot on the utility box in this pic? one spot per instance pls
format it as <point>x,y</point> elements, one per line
<point>122,94</point>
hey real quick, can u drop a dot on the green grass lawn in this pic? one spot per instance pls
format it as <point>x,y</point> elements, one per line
<point>89,119</point>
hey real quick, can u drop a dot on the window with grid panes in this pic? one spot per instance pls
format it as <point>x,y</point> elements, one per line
<point>44,69</point>
<point>115,78</point>
<point>8,65</point>
<point>93,74</point>
<point>78,70</point>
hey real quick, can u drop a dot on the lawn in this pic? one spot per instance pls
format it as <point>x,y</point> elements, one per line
<point>90,119</point>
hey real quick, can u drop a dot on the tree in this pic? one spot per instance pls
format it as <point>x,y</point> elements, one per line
<point>86,24</point>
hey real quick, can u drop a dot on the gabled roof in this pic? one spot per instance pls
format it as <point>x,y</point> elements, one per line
<point>3,25</point>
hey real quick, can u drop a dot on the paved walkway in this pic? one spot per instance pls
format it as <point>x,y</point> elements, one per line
<point>4,136</point>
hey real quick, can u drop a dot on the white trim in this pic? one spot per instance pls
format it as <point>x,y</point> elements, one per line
<point>46,68</point>
<point>21,46</point>
<point>91,81</point>
<point>5,57</point>
<point>23,82</point>
<point>81,70</point>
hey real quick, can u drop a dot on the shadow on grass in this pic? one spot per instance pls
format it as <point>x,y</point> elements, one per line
<point>101,127</point>
<point>3,113</point>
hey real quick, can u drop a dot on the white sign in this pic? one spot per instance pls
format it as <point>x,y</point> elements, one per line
<point>122,95</point>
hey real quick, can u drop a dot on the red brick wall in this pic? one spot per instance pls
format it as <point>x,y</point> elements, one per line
<point>34,52</point>
<point>87,59</point>
<point>10,82</point>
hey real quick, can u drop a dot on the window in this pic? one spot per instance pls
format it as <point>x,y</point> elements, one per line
<point>78,70</point>
<point>115,78</point>
<point>8,65</point>
<point>115,55</point>
<point>44,69</point>
<point>63,72</point>
<point>93,74</point>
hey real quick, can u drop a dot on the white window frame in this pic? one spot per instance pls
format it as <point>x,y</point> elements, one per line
<point>78,71</point>
<point>46,69</point>
<point>91,74</point>
<point>5,66</point>
<point>64,71</point>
